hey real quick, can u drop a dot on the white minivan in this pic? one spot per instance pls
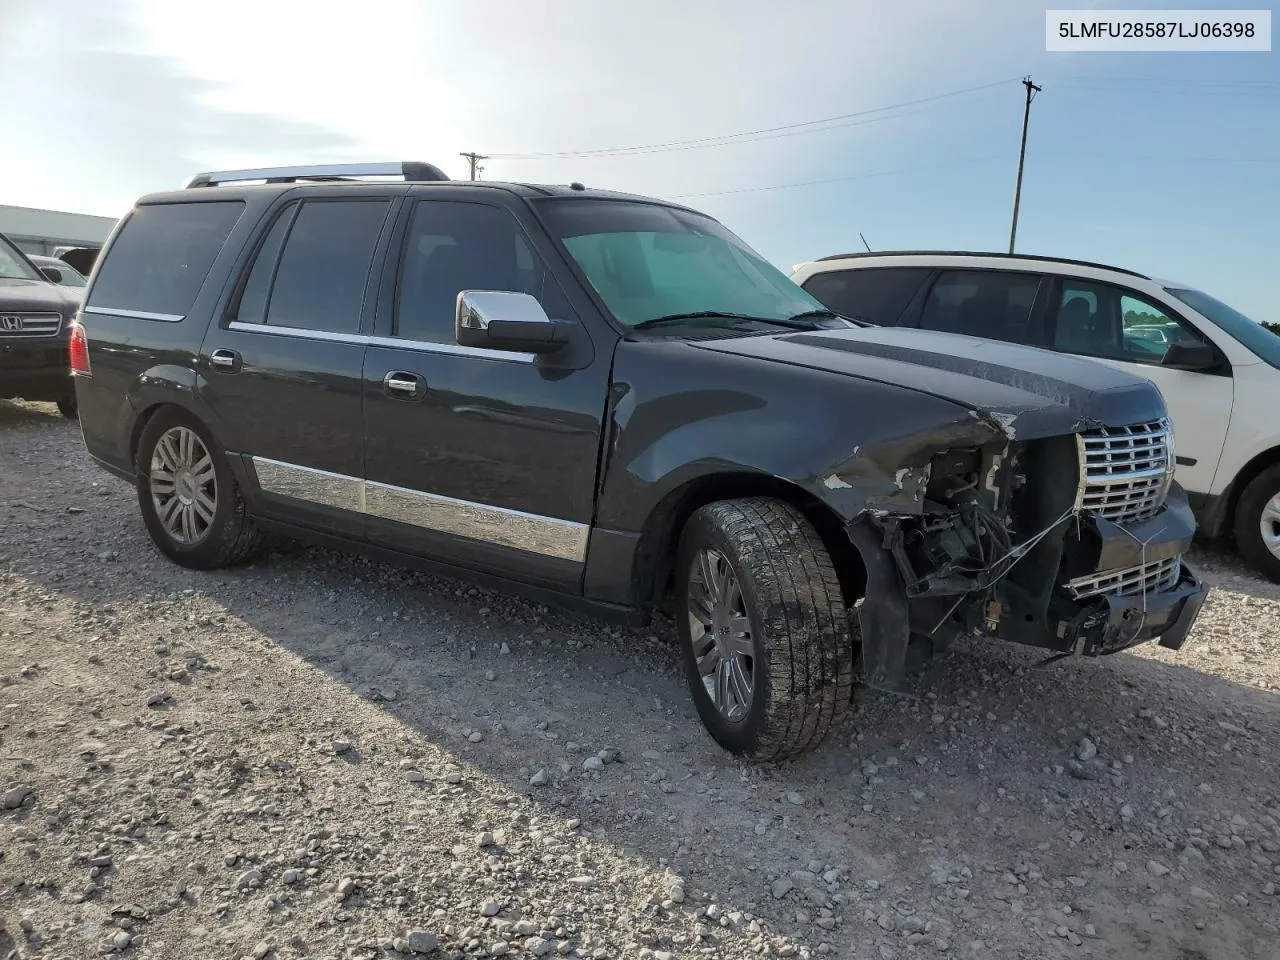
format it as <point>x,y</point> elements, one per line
<point>1219,371</point>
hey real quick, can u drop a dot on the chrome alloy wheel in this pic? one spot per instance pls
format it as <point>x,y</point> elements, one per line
<point>184,487</point>
<point>721,634</point>
<point>1269,525</point>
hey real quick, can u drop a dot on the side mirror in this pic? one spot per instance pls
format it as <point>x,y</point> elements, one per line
<point>52,274</point>
<point>497,320</point>
<point>1190,356</point>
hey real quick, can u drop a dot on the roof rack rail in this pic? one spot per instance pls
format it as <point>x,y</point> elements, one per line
<point>978,253</point>
<point>411,170</point>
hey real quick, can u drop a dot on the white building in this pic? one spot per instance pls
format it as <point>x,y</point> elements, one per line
<point>46,231</point>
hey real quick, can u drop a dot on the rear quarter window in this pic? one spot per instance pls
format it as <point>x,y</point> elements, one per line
<point>161,257</point>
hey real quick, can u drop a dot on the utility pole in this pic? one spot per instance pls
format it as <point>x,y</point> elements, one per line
<point>1032,90</point>
<point>474,159</point>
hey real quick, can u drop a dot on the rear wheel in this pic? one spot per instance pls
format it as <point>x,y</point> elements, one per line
<point>189,499</point>
<point>766,641</point>
<point>1257,523</point>
<point>68,407</point>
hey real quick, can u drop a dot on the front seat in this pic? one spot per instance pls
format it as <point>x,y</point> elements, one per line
<point>1077,331</point>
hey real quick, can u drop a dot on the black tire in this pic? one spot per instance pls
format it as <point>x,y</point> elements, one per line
<point>231,536</point>
<point>803,658</point>
<point>68,406</point>
<point>1264,488</point>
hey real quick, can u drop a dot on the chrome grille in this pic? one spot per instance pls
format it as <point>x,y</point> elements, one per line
<point>1154,577</point>
<point>29,324</point>
<point>1126,470</point>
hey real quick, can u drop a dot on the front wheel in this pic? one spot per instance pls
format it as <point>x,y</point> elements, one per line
<point>190,501</point>
<point>1258,523</point>
<point>766,641</point>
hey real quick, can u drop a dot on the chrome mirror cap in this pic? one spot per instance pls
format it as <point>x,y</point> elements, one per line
<point>477,309</point>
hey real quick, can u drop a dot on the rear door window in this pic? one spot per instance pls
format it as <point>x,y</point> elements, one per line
<point>992,304</point>
<point>161,257</point>
<point>317,266</point>
<point>877,294</point>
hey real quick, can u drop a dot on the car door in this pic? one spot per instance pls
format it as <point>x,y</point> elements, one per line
<point>1122,327</point>
<point>283,369</point>
<point>484,459</point>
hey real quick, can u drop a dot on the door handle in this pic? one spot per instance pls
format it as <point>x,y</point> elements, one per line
<point>405,386</point>
<point>227,360</point>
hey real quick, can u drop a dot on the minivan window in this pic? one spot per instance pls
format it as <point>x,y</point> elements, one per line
<point>875,294</point>
<point>324,267</point>
<point>453,246</point>
<point>1259,340</point>
<point>161,256</point>
<point>993,304</point>
<point>13,265</point>
<point>647,260</point>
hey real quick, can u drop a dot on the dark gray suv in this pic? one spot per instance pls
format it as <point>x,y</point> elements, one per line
<point>612,400</point>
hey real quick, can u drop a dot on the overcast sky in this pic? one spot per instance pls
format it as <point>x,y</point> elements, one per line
<point>1167,163</point>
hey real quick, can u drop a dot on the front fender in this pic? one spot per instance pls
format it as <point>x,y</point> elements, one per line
<point>678,414</point>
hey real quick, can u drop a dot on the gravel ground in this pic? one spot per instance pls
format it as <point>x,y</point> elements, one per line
<point>317,756</point>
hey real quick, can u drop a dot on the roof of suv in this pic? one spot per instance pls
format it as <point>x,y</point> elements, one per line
<point>278,179</point>
<point>1004,259</point>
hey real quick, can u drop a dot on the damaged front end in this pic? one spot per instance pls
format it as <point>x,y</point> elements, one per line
<point>1071,543</point>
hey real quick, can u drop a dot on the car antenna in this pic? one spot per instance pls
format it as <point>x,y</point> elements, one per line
<point>864,241</point>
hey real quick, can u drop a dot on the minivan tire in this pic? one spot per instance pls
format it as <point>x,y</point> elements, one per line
<point>788,597</point>
<point>1263,490</point>
<point>68,407</point>
<point>230,536</point>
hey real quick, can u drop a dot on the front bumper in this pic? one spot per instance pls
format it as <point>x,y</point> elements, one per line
<point>1088,587</point>
<point>1113,623</point>
<point>35,369</point>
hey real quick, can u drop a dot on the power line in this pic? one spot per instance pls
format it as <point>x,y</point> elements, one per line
<point>969,160</point>
<point>856,176</point>
<point>1180,81</point>
<point>750,136</point>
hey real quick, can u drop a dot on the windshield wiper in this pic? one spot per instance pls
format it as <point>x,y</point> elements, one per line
<point>828,314</point>
<point>794,323</point>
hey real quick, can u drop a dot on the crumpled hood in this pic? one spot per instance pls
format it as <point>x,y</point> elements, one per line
<point>1029,392</point>
<point>33,296</point>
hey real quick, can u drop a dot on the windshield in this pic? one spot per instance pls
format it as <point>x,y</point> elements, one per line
<point>13,265</point>
<point>71,277</point>
<point>648,261</point>
<point>1248,332</point>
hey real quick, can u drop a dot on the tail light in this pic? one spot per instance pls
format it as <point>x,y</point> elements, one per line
<point>79,351</point>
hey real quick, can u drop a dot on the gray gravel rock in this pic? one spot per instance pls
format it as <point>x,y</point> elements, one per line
<point>15,796</point>
<point>422,941</point>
